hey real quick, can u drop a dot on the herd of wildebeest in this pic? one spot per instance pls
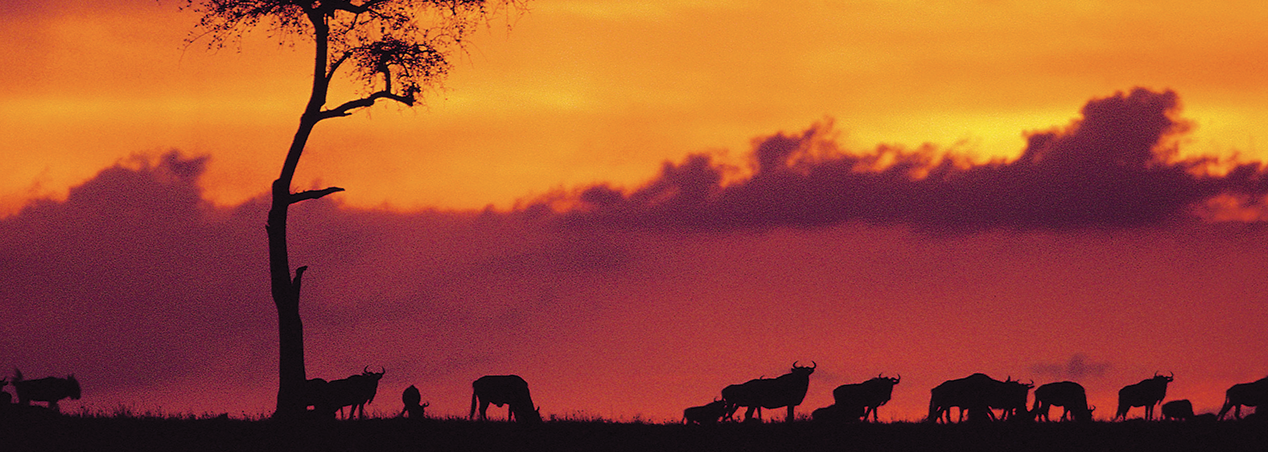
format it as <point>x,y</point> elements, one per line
<point>977,398</point>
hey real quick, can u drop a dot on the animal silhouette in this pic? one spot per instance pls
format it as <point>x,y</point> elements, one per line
<point>787,390</point>
<point>1147,393</point>
<point>411,398</point>
<point>5,398</point>
<point>869,395</point>
<point>709,413</point>
<point>47,389</point>
<point>1249,394</point>
<point>1179,410</point>
<point>1068,395</point>
<point>328,398</point>
<point>504,390</point>
<point>977,394</point>
<point>836,413</point>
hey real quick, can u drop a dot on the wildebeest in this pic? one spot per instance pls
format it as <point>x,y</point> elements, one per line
<point>787,390</point>
<point>709,413</point>
<point>1068,395</point>
<point>870,395</point>
<point>1147,393</point>
<point>47,389</point>
<point>411,398</point>
<point>978,394</point>
<point>1180,410</point>
<point>330,397</point>
<point>1250,394</point>
<point>504,390</point>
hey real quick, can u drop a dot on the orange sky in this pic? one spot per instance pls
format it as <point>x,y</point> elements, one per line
<point>589,92</point>
<point>581,91</point>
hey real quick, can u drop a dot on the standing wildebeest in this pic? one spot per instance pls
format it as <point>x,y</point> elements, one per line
<point>1147,393</point>
<point>504,390</point>
<point>869,395</point>
<point>411,398</point>
<point>787,390</point>
<point>1250,394</point>
<point>47,389</point>
<point>709,413</point>
<point>1068,395</point>
<point>329,397</point>
<point>978,394</point>
<point>1180,410</point>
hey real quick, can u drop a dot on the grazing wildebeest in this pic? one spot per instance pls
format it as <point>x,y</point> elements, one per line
<point>330,397</point>
<point>870,394</point>
<point>1068,395</point>
<point>1179,410</point>
<point>709,413</point>
<point>47,389</point>
<point>787,390</point>
<point>978,394</point>
<point>504,390</point>
<point>411,398</point>
<point>1250,394</point>
<point>1147,393</point>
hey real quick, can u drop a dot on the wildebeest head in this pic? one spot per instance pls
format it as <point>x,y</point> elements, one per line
<point>72,387</point>
<point>803,370</point>
<point>372,385</point>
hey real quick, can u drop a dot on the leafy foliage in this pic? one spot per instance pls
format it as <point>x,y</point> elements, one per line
<point>406,42</point>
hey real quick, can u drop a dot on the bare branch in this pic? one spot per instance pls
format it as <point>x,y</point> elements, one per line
<point>335,66</point>
<point>311,194</point>
<point>299,274</point>
<point>347,107</point>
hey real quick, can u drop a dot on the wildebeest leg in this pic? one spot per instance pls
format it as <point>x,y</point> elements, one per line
<point>484,408</point>
<point>790,414</point>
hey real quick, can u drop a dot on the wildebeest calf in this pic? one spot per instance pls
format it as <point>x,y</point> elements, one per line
<point>47,389</point>
<point>708,413</point>
<point>1180,410</point>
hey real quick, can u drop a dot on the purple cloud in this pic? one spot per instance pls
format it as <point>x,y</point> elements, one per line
<point>1113,168</point>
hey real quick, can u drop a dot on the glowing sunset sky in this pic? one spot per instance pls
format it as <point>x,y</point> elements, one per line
<point>685,195</point>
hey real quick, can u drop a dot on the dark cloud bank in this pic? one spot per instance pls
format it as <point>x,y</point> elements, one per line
<point>1114,168</point>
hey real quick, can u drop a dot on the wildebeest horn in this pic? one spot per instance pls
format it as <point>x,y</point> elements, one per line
<point>813,364</point>
<point>365,370</point>
<point>900,378</point>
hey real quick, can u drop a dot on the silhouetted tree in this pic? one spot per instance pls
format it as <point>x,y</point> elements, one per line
<point>396,48</point>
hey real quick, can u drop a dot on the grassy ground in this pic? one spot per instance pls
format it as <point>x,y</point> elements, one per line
<point>98,433</point>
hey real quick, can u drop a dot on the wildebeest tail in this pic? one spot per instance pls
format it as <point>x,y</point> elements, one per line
<point>473,404</point>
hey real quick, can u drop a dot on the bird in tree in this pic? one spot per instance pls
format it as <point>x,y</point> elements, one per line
<point>395,49</point>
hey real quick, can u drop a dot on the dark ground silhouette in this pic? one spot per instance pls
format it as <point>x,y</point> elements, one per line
<point>74,433</point>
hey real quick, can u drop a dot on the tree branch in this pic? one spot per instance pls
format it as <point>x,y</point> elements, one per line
<point>299,273</point>
<point>334,66</point>
<point>347,107</point>
<point>311,194</point>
